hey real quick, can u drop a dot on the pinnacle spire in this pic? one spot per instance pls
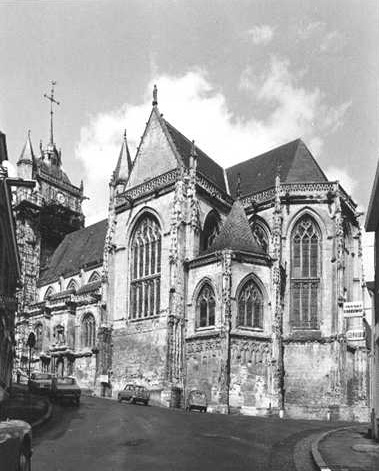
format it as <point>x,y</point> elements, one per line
<point>27,153</point>
<point>124,163</point>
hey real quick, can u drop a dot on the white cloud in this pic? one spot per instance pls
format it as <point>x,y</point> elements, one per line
<point>333,42</point>
<point>305,31</point>
<point>347,182</point>
<point>193,105</point>
<point>261,34</point>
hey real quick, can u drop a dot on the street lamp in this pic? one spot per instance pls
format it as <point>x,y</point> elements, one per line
<point>31,342</point>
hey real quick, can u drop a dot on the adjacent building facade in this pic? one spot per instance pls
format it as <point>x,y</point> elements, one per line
<point>9,275</point>
<point>231,281</point>
<point>372,225</point>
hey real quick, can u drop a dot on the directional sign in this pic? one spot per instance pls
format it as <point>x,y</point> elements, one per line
<point>353,309</point>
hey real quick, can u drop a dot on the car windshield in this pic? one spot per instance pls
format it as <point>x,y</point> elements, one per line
<point>198,394</point>
<point>41,376</point>
<point>66,381</point>
<point>128,387</point>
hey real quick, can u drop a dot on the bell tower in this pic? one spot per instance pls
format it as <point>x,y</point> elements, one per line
<point>47,206</point>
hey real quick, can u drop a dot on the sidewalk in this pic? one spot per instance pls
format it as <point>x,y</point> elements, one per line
<point>346,449</point>
<point>25,406</point>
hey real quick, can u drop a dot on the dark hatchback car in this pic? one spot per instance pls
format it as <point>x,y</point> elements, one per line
<point>40,383</point>
<point>133,394</point>
<point>15,445</point>
<point>197,400</point>
<point>66,388</point>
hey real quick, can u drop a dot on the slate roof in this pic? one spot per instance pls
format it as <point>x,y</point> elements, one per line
<point>208,167</point>
<point>79,249</point>
<point>293,160</point>
<point>235,234</point>
<point>52,171</point>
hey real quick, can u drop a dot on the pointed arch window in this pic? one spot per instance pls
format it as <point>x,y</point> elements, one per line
<point>94,277</point>
<point>260,234</point>
<point>305,274</point>
<point>250,306</point>
<point>49,292</point>
<point>211,230</point>
<point>145,269</point>
<point>88,331</point>
<point>72,285</point>
<point>206,307</point>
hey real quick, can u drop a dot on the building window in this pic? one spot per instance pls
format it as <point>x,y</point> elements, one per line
<point>88,331</point>
<point>38,329</point>
<point>49,293</point>
<point>94,277</point>
<point>305,274</point>
<point>72,285</point>
<point>206,307</point>
<point>145,269</point>
<point>260,234</point>
<point>211,230</point>
<point>250,306</point>
<point>59,335</point>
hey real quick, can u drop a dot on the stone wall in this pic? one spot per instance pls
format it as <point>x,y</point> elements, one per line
<point>139,354</point>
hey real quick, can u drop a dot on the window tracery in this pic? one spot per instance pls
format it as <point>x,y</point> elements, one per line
<point>260,234</point>
<point>88,331</point>
<point>250,306</point>
<point>206,307</point>
<point>94,277</point>
<point>49,292</point>
<point>211,230</point>
<point>38,329</point>
<point>145,269</point>
<point>305,274</point>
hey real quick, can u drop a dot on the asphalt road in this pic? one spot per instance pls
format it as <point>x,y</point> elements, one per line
<point>104,435</point>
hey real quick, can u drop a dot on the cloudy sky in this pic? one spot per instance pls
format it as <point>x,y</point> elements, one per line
<point>239,77</point>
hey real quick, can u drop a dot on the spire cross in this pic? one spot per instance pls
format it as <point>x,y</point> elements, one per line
<point>52,100</point>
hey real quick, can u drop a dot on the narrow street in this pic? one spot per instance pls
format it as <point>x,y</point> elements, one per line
<point>108,436</point>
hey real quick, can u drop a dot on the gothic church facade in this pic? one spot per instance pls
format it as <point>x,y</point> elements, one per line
<point>231,281</point>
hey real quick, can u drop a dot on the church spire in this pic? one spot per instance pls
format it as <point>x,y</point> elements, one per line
<point>52,101</point>
<point>124,163</point>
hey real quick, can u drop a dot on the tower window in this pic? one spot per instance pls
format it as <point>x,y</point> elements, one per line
<point>206,307</point>
<point>250,306</point>
<point>305,274</point>
<point>88,331</point>
<point>145,269</point>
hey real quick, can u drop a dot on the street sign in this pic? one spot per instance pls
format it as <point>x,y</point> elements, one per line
<point>353,309</point>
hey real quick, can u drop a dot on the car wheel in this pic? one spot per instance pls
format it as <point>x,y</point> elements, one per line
<point>24,459</point>
<point>119,399</point>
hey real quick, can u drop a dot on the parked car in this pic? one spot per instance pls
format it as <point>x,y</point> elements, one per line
<point>197,400</point>
<point>15,445</point>
<point>66,388</point>
<point>40,383</point>
<point>133,393</point>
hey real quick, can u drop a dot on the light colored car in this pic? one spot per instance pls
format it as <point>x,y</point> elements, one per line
<point>133,393</point>
<point>15,445</point>
<point>197,400</point>
<point>66,388</point>
<point>41,383</point>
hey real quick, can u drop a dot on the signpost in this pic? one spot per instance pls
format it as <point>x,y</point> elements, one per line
<point>353,313</point>
<point>31,342</point>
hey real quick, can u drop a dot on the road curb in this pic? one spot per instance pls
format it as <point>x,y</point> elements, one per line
<point>45,417</point>
<point>316,455</point>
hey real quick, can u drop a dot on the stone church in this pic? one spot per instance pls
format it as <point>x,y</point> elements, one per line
<point>231,280</point>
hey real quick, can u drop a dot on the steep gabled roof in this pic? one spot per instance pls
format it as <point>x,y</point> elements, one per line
<point>208,167</point>
<point>78,249</point>
<point>235,234</point>
<point>293,161</point>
